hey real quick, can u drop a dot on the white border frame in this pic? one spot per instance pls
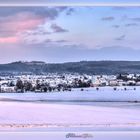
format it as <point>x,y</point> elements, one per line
<point>12,134</point>
<point>115,4</point>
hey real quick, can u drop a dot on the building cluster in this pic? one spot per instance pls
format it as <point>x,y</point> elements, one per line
<point>59,82</point>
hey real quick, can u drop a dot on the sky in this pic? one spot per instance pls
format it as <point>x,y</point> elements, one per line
<point>66,34</point>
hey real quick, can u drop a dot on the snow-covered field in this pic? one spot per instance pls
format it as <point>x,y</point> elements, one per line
<point>104,94</point>
<point>35,115</point>
<point>80,114</point>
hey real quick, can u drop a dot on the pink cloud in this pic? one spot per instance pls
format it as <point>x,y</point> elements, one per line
<point>8,40</point>
<point>21,22</point>
<point>27,21</point>
<point>12,27</point>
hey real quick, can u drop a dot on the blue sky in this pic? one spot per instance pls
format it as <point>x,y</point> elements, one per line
<point>63,34</point>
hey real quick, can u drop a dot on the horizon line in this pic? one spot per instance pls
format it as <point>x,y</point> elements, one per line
<point>24,61</point>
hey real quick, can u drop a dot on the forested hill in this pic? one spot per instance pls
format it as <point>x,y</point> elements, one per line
<point>86,67</point>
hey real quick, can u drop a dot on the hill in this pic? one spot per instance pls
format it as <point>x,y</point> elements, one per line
<point>87,67</point>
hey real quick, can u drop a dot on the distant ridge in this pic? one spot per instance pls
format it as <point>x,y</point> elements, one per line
<point>30,62</point>
<point>82,67</point>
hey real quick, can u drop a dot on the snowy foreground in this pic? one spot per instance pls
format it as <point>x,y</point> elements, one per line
<point>36,111</point>
<point>15,115</point>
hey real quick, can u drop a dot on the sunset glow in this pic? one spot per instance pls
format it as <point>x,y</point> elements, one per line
<point>61,34</point>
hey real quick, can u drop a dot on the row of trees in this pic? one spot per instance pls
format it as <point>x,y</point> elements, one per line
<point>45,87</point>
<point>124,77</point>
<point>78,83</point>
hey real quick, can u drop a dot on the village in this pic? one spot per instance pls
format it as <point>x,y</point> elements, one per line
<point>64,82</point>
